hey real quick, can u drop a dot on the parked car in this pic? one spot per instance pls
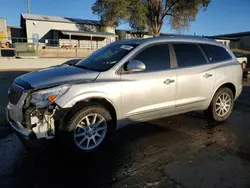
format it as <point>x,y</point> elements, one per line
<point>242,59</point>
<point>125,82</point>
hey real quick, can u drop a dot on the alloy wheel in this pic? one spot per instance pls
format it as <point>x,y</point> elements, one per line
<point>223,104</point>
<point>90,131</point>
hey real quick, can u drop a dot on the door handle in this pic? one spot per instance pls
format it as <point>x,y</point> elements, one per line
<point>207,75</point>
<point>169,81</point>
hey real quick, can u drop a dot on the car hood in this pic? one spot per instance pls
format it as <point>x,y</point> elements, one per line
<point>54,76</point>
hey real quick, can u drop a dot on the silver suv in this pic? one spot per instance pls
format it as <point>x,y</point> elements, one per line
<point>125,82</point>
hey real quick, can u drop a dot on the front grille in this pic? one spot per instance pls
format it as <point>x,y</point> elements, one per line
<point>15,92</point>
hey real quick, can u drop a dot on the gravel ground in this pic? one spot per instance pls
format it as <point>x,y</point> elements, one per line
<point>181,151</point>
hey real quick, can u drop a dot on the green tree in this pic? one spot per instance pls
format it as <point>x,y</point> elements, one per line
<point>149,14</point>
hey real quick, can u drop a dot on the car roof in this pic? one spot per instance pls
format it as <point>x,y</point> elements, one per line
<point>174,38</point>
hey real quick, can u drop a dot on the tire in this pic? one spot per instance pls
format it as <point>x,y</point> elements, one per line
<point>76,134</point>
<point>221,112</point>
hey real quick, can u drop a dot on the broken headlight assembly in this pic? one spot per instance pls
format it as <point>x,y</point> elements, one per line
<point>45,97</point>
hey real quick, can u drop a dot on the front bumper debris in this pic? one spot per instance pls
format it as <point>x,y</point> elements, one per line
<point>43,123</point>
<point>40,124</point>
<point>28,120</point>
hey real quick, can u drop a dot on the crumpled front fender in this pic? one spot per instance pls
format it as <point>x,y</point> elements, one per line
<point>65,102</point>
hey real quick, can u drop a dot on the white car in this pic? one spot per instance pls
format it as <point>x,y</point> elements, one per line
<point>242,59</point>
<point>122,83</point>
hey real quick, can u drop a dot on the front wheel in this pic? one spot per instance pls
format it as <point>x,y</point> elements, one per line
<point>88,128</point>
<point>222,104</point>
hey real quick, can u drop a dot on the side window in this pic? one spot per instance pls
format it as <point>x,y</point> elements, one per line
<point>188,55</point>
<point>156,57</point>
<point>215,53</point>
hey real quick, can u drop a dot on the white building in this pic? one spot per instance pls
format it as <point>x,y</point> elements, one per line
<point>69,32</point>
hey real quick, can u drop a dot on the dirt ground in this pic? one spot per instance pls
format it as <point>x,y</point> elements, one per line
<point>181,151</point>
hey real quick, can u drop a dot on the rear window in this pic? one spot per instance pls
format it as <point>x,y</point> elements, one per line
<point>215,53</point>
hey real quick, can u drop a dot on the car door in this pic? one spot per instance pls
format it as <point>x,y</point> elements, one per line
<point>195,77</point>
<point>151,93</point>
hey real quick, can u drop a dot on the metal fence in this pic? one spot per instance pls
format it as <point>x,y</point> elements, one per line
<point>61,48</point>
<point>10,42</point>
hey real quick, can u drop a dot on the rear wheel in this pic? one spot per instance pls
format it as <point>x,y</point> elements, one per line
<point>222,104</point>
<point>88,128</point>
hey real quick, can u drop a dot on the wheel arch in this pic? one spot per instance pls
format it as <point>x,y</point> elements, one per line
<point>103,102</point>
<point>226,84</point>
<point>107,104</point>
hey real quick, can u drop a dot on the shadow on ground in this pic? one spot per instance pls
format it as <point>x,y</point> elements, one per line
<point>136,156</point>
<point>129,153</point>
<point>51,166</point>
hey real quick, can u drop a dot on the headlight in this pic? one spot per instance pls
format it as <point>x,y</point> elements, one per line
<point>45,97</point>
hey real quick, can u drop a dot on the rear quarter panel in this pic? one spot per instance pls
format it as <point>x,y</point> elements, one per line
<point>228,72</point>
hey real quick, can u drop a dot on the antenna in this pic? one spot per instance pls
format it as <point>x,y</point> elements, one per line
<point>28,6</point>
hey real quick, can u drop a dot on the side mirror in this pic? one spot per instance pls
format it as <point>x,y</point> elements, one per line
<point>135,66</point>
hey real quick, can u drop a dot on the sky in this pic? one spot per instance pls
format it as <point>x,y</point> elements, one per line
<point>221,17</point>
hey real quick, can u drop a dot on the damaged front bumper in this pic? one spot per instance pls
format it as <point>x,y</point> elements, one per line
<point>18,127</point>
<point>30,122</point>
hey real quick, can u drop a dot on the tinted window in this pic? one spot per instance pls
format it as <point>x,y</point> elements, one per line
<point>215,53</point>
<point>188,55</point>
<point>155,57</point>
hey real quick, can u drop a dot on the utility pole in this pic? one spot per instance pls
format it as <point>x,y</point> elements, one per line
<point>28,6</point>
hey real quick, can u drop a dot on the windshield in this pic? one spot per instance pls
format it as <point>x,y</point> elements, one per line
<point>106,57</point>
